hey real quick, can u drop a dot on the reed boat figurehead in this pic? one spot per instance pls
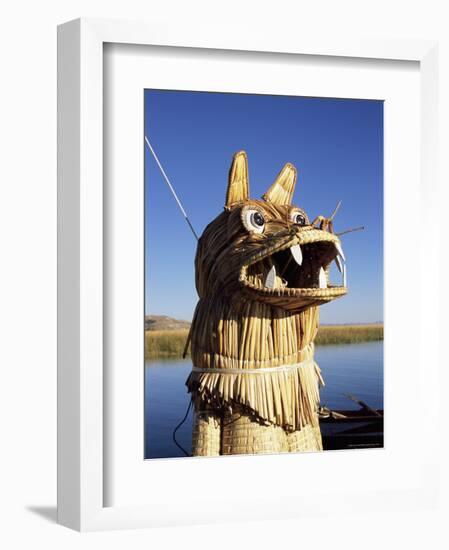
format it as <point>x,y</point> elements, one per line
<point>262,268</point>
<point>268,249</point>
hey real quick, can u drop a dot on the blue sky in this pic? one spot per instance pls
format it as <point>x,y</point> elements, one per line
<point>336,145</point>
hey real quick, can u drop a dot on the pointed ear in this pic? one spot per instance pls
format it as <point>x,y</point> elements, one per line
<point>238,184</point>
<point>281,192</point>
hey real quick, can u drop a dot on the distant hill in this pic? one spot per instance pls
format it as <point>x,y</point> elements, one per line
<point>163,322</point>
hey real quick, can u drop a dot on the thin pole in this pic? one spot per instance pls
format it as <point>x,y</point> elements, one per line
<point>351,230</point>
<point>170,186</point>
<point>336,210</point>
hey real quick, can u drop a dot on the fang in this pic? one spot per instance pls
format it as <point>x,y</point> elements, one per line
<point>271,278</point>
<point>322,278</point>
<point>297,253</point>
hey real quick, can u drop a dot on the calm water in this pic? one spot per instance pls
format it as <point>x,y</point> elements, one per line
<point>355,369</point>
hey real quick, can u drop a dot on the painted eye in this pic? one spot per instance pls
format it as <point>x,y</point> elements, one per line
<point>298,218</point>
<point>257,219</point>
<point>253,220</point>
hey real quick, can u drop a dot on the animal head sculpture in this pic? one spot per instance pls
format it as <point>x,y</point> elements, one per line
<point>267,250</point>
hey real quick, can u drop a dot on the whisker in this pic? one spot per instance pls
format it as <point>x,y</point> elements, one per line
<point>335,210</point>
<point>360,228</point>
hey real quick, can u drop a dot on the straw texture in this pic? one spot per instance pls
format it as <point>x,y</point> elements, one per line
<point>281,192</point>
<point>257,360</point>
<point>254,382</point>
<point>206,436</point>
<point>238,187</point>
<point>239,433</point>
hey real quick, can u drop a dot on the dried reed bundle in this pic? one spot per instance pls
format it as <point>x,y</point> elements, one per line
<point>254,376</point>
<point>261,271</point>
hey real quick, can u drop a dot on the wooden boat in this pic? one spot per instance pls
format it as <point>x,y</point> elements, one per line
<point>352,429</point>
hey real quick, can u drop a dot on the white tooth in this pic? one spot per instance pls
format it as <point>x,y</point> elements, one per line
<point>322,278</point>
<point>297,253</point>
<point>270,281</point>
<point>339,264</point>
<point>340,251</point>
<point>344,275</point>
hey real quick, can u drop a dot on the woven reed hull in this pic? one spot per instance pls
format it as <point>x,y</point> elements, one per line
<point>257,361</point>
<point>237,433</point>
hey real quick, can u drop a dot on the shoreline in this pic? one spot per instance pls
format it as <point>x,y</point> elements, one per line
<point>163,344</point>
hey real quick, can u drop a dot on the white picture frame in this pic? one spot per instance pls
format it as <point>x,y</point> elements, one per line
<point>82,491</point>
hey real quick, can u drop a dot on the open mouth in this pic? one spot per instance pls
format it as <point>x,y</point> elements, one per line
<point>297,267</point>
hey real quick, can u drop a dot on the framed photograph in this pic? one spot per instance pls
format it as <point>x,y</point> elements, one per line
<point>235,275</point>
<point>261,349</point>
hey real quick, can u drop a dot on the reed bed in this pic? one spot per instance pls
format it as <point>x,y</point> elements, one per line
<point>170,343</point>
<point>164,343</point>
<point>349,334</point>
